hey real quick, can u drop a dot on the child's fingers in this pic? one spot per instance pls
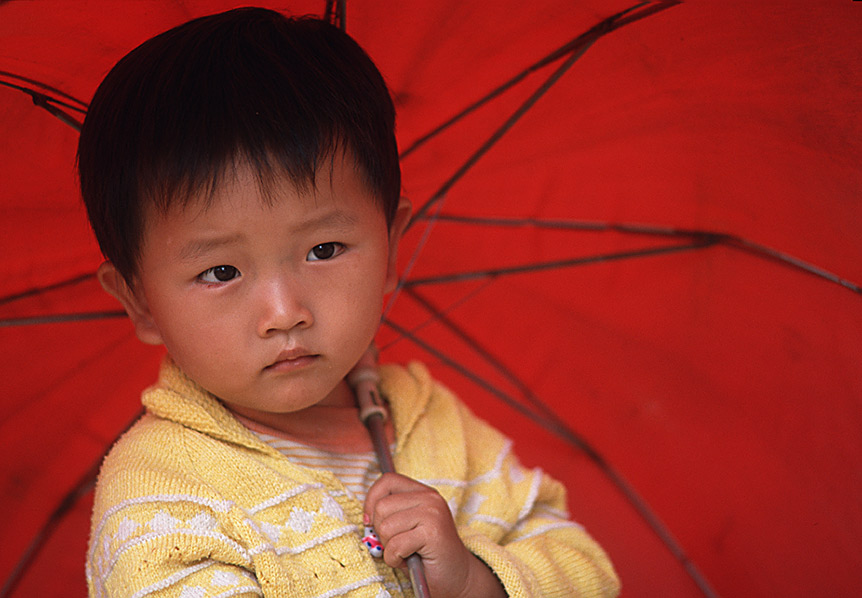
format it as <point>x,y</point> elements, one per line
<point>410,517</point>
<point>391,484</point>
<point>400,521</point>
<point>403,538</point>
<point>397,504</point>
<point>415,530</point>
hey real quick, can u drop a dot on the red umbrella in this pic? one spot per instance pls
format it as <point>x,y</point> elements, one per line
<point>705,155</point>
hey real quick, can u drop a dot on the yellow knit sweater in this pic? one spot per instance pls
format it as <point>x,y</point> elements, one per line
<point>191,504</point>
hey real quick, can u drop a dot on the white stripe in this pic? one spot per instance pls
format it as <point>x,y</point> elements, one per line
<point>336,533</point>
<point>266,546</point>
<point>190,532</point>
<point>549,511</point>
<point>507,448</point>
<point>240,590</point>
<point>325,461</point>
<point>313,454</point>
<point>492,520</point>
<point>353,586</point>
<point>283,497</point>
<point>494,472</point>
<point>356,471</point>
<point>169,581</point>
<point>348,471</point>
<point>547,528</point>
<point>531,497</point>
<point>220,506</point>
<point>444,482</point>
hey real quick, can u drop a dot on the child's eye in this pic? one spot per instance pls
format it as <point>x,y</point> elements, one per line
<point>219,274</point>
<point>324,251</point>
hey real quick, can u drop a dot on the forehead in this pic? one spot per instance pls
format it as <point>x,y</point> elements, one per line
<point>338,188</point>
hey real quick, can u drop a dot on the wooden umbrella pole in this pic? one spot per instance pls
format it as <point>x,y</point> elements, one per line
<point>364,379</point>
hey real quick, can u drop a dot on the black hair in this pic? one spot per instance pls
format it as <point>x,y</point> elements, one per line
<point>244,86</point>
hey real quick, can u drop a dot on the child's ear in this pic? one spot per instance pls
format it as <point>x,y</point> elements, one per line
<point>133,302</point>
<point>399,225</point>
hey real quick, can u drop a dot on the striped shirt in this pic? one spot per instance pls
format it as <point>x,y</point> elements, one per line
<point>357,471</point>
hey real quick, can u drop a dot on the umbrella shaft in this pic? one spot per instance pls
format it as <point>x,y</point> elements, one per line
<point>376,430</point>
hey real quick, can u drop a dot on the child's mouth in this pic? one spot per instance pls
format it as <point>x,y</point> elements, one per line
<point>292,359</point>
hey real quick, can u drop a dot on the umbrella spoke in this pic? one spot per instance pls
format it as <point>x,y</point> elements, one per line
<point>55,318</point>
<point>47,102</point>
<point>73,103</point>
<point>701,239</point>
<point>578,44</point>
<point>438,197</point>
<point>438,315</point>
<point>336,13</point>
<point>789,260</point>
<point>47,288</point>
<point>554,424</point>
<point>61,318</point>
<point>557,264</point>
<point>577,48</point>
<point>551,423</point>
<point>84,485</point>
<point>570,224</point>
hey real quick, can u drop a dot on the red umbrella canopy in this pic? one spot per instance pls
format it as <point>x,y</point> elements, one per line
<point>653,231</point>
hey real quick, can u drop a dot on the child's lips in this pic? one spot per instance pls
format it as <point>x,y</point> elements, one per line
<point>292,359</point>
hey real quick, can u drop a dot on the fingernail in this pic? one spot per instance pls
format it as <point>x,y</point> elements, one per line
<point>366,519</point>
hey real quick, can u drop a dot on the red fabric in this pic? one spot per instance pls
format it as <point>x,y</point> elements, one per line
<point>724,386</point>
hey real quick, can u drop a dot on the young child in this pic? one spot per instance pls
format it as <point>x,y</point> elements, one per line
<point>241,175</point>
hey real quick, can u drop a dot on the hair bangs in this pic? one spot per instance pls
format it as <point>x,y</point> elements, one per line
<point>183,110</point>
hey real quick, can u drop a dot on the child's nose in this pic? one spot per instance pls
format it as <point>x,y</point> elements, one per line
<point>282,307</point>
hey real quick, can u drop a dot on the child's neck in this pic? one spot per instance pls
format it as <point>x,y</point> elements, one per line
<point>332,428</point>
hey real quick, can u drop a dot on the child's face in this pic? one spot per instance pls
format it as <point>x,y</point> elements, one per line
<point>268,307</point>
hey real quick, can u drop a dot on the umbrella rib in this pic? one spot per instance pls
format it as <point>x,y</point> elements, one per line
<point>557,264</point>
<point>556,426</point>
<point>552,423</point>
<point>47,288</point>
<point>589,38</point>
<point>706,237</point>
<point>335,13</point>
<point>48,103</point>
<point>435,316</point>
<point>62,318</point>
<point>83,486</point>
<point>78,490</point>
<point>485,354</point>
<point>606,26</point>
<point>436,200</point>
<point>438,196</point>
<point>579,225</point>
<point>76,105</point>
<point>789,260</point>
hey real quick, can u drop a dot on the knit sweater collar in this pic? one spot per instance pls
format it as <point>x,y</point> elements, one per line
<point>179,399</point>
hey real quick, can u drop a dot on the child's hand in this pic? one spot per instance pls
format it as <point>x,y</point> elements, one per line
<point>410,517</point>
